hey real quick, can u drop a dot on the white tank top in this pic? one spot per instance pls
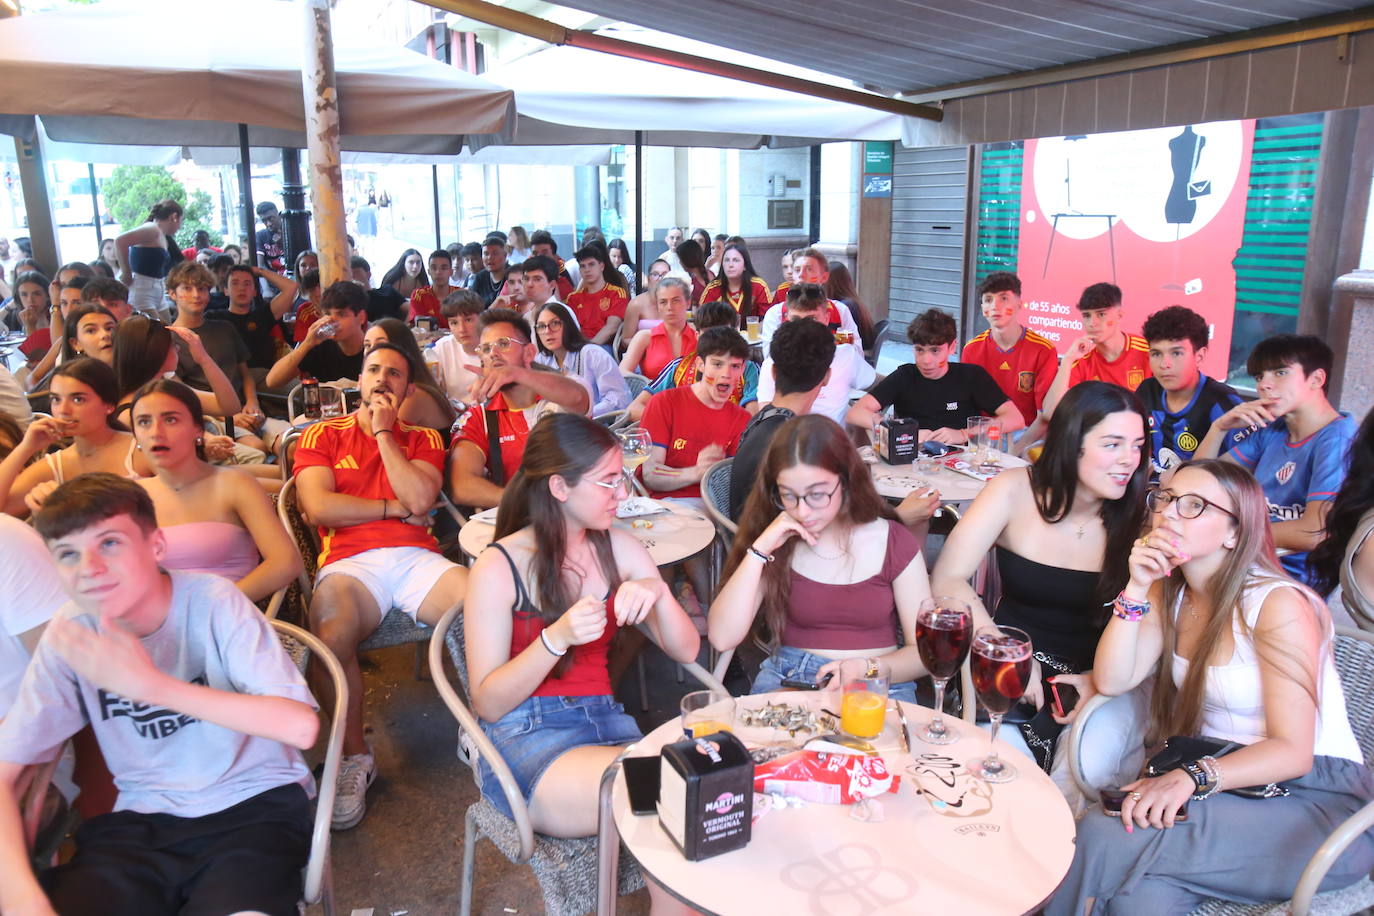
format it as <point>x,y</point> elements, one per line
<point>1233,701</point>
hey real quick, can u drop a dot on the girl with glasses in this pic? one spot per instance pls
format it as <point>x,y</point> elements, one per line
<point>542,608</point>
<point>1237,651</point>
<point>821,569</point>
<point>1062,530</point>
<point>563,348</point>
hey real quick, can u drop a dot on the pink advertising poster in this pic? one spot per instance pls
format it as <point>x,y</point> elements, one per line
<point>1159,213</point>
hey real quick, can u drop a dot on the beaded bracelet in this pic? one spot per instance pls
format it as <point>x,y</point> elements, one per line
<point>1129,608</point>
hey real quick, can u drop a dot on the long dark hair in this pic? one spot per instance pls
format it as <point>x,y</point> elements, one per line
<point>399,333</point>
<point>74,321</point>
<point>573,338</point>
<point>1356,497</point>
<point>141,345</point>
<point>818,441</point>
<point>569,446</point>
<point>398,270</point>
<point>625,260</point>
<point>183,393</point>
<point>1054,475</point>
<point>693,260</point>
<point>96,376</point>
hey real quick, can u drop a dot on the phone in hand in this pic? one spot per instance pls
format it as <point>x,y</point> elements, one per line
<point>794,684</point>
<point>1065,697</point>
<point>1112,799</point>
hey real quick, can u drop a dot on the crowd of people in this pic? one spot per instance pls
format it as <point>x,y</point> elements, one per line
<point>1169,535</point>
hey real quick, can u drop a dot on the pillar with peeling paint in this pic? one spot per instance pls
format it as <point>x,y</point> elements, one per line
<point>322,143</point>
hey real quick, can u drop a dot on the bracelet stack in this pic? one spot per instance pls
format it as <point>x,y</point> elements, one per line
<point>1212,774</point>
<point>1129,608</point>
<point>760,555</point>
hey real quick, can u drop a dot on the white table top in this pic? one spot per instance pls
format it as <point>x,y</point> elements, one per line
<point>897,481</point>
<point>670,537</point>
<point>1009,856</point>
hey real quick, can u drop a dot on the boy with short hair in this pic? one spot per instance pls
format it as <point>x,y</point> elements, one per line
<point>598,305</point>
<point>459,364</point>
<point>1020,361</point>
<point>848,368</point>
<point>110,293</point>
<point>335,354</point>
<point>938,394</point>
<point>1299,449</point>
<point>199,714</point>
<point>1105,352</point>
<point>426,301</point>
<point>1183,402</point>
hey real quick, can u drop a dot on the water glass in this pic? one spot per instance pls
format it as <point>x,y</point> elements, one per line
<point>976,430</point>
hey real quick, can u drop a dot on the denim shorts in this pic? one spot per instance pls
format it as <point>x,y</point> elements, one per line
<point>798,664</point>
<point>537,732</point>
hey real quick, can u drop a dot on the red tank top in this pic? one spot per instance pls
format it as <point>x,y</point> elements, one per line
<point>587,675</point>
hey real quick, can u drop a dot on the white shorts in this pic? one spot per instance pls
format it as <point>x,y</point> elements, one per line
<point>395,577</point>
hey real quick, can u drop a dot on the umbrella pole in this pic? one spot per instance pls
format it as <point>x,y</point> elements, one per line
<point>434,183</point>
<point>247,217</point>
<point>322,143</point>
<point>95,206</point>
<point>639,201</point>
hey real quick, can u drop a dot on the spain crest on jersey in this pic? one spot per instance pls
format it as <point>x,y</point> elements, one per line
<point>1025,382</point>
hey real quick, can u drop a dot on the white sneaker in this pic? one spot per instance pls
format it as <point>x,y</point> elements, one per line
<point>356,773</point>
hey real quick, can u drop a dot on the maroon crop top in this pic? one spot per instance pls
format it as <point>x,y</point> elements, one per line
<point>859,615</point>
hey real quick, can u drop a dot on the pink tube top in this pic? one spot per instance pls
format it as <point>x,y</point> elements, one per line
<point>213,547</point>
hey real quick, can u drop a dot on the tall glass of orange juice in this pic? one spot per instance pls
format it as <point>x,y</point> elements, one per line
<point>705,712</point>
<point>863,696</point>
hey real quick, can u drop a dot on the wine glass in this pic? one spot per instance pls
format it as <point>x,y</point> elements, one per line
<point>944,629</point>
<point>634,451</point>
<point>1001,671</point>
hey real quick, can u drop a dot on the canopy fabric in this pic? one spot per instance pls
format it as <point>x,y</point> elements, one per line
<point>134,73</point>
<point>572,95</point>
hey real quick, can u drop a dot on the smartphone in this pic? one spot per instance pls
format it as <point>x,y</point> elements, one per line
<point>1112,799</point>
<point>641,779</point>
<point>936,449</point>
<point>1065,698</point>
<point>793,684</point>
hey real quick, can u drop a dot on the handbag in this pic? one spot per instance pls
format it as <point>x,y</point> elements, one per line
<point>1181,749</point>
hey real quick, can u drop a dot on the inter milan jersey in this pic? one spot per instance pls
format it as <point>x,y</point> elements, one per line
<point>1174,437</point>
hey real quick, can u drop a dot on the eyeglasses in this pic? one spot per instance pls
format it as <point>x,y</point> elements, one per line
<point>500,345</point>
<point>1190,505</point>
<point>816,499</point>
<point>553,324</point>
<point>610,484</point>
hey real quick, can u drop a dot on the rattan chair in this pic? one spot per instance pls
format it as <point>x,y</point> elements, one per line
<point>565,868</point>
<point>1354,652</point>
<point>636,383</point>
<point>396,629</point>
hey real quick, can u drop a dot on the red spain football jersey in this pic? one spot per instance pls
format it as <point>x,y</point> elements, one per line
<point>592,309</point>
<point>342,446</point>
<point>1128,370</point>
<point>754,307</point>
<point>1024,372</point>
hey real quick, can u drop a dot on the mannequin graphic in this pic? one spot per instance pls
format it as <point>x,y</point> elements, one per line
<point>1184,151</point>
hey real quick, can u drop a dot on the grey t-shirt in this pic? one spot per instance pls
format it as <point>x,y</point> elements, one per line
<point>226,348</point>
<point>165,762</point>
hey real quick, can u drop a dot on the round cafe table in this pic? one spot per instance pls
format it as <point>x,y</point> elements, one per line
<point>670,537</point>
<point>896,481</point>
<point>1002,852</point>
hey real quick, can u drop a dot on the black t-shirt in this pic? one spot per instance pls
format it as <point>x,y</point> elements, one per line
<point>753,445</point>
<point>273,248</point>
<point>327,363</point>
<point>255,328</point>
<point>964,391</point>
<point>487,287</point>
<point>225,347</point>
<point>384,303</point>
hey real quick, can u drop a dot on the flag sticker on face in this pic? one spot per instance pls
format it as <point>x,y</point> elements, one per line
<point>1285,472</point>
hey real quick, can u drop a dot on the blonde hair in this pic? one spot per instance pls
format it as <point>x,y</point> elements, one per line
<point>1176,709</point>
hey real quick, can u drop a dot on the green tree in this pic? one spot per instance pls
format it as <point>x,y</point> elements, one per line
<point>131,191</point>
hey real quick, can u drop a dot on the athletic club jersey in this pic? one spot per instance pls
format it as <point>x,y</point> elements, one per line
<point>1128,370</point>
<point>1024,372</point>
<point>1174,437</point>
<point>1294,474</point>
<point>342,446</point>
<point>592,309</point>
<point>754,307</point>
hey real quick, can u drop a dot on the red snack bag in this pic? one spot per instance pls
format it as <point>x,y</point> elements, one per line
<point>830,779</point>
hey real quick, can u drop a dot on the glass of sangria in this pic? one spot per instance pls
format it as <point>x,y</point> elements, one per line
<point>944,630</point>
<point>1001,672</point>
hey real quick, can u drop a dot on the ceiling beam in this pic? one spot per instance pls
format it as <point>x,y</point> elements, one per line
<point>554,34</point>
<point>1361,20</point>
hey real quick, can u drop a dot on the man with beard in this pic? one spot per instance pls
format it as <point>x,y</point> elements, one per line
<point>516,393</point>
<point>368,480</point>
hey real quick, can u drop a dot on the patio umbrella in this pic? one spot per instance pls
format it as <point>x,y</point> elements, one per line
<point>188,72</point>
